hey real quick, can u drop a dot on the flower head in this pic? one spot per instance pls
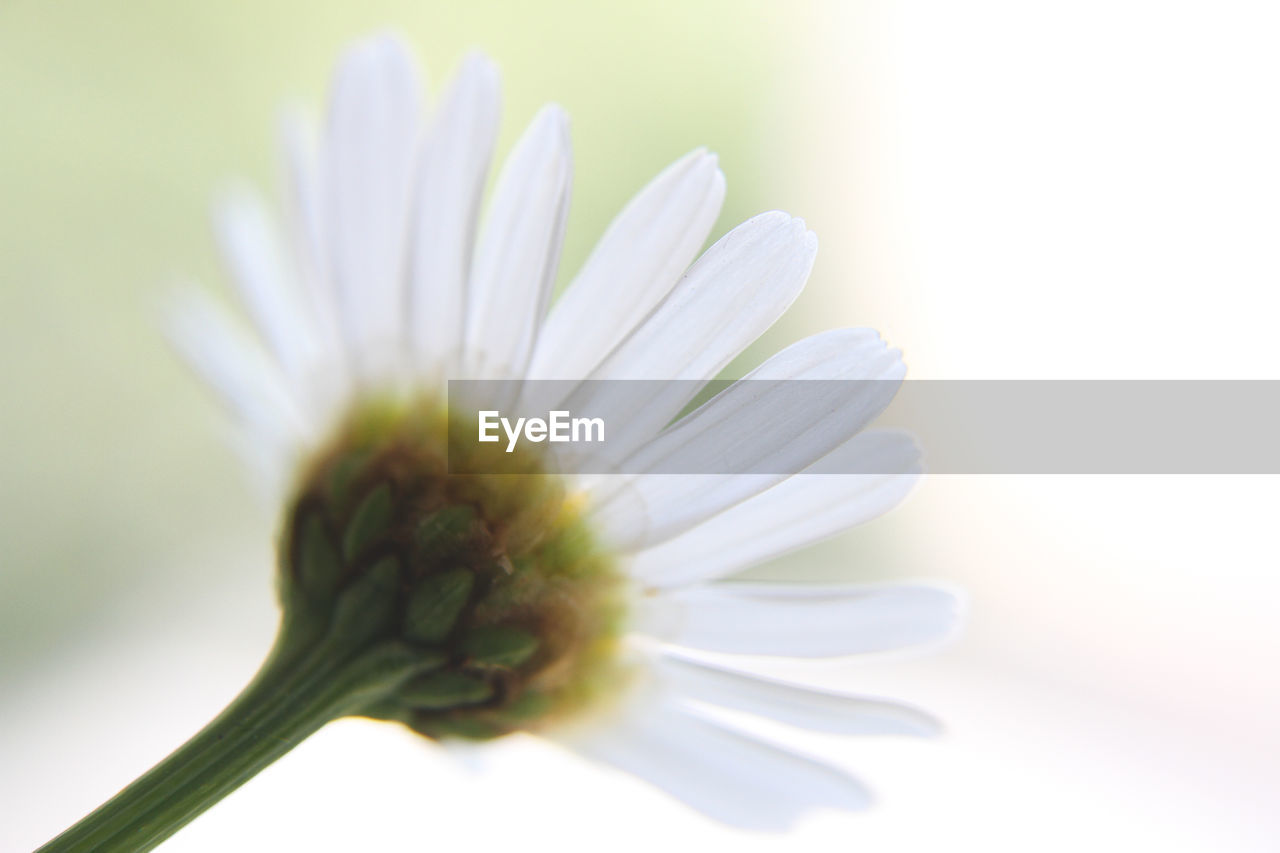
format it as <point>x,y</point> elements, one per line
<point>530,599</point>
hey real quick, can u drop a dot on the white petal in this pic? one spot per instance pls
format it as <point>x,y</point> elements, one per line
<point>830,496</point>
<point>455,161</point>
<point>328,374</point>
<point>777,421</point>
<point>237,369</point>
<point>516,263</point>
<point>373,129</point>
<point>304,194</point>
<point>727,298</point>
<point>800,620</point>
<point>635,264</point>
<point>735,291</point>
<point>794,705</point>
<point>267,284</point>
<point>728,776</point>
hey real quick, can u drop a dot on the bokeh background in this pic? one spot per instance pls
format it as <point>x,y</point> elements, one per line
<point>1006,189</point>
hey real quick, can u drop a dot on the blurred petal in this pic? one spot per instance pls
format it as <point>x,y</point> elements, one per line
<point>792,410</point>
<point>800,620</point>
<point>267,285</point>
<point>519,252</point>
<point>635,264</point>
<point>238,370</point>
<point>728,776</point>
<point>826,498</point>
<point>802,707</point>
<point>455,162</point>
<point>374,113</point>
<point>735,291</point>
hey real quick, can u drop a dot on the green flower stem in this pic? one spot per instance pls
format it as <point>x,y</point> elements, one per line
<point>459,607</point>
<point>297,692</point>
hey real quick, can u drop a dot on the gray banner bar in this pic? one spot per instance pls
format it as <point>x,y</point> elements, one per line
<point>963,426</point>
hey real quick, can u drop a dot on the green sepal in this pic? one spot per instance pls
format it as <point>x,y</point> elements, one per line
<point>442,690</point>
<point>467,728</point>
<point>529,705</point>
<point>372,678</point>
<point>435,604</point>
<point>344,474</point>
<point>365,607</point>
<point>370,521</point>
<point>445,533</point>
<point>499,646</point>
<point>319,564</point>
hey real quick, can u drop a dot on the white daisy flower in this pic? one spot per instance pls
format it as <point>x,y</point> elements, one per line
<point>576,608</point>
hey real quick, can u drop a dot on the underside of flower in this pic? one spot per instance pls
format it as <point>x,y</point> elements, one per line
<point>473,605</point>
<point>484,597</point>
